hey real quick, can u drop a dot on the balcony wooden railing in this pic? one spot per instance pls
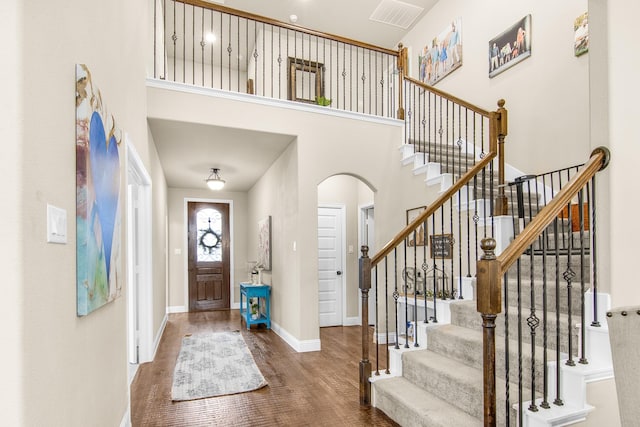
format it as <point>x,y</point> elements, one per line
<point>213,46</point>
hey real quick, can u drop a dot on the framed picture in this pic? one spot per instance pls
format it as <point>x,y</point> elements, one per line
<point>510,47</point>
<point>419,237</point>
<point>98,205</point>
<point>441,246</point>
<point>581,34</point>
<point>264,243</point>
<point>442,55</point>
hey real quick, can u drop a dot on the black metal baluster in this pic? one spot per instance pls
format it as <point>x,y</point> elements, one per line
<point>212,43</point>
<point>557,401</point>
<point>386,311</point>
<point>435,274</point>
<point>376,325</point>
<point>415,289</point>
<point>202,45</point>
<point>519,324</point>
<point>396,294</point>
<point>594,253</point>
<point>507,355</point>
<point>568,276</point>
<point>193,45</point>
<point>184,42</point>
<point>583,358</point>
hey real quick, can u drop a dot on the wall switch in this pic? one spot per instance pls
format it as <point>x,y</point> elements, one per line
<point>294,246</point>
<point>350,249</point>
<point>56,225</point>
<point>177,251</point>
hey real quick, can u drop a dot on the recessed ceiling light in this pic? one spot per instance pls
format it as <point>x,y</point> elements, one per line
<point>210,37</point>
<point>293,18</point>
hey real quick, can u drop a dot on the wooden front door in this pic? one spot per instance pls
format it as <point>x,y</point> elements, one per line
<point>208,256</point>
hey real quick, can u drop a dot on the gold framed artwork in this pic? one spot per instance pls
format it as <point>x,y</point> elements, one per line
<point>419,237</point>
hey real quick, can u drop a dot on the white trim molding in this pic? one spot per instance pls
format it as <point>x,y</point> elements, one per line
<point>294,343</point>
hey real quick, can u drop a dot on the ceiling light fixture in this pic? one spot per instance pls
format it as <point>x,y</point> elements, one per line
<point>293,18</point>
<point>214,181</point>
<point>210,37</point>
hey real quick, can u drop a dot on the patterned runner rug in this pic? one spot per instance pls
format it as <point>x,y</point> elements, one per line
<point>214,364</point>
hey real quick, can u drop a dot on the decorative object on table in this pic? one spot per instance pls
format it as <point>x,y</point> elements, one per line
<point>414,282</point>
<point>264,243</point>
<point>581,34</point>
<point>98,222</point>
<point>255,308</point>
<point>419,237</point>
<point>510,47</point>
<point>442,55</point>
<point>214,364</point>
<point>442,246</point>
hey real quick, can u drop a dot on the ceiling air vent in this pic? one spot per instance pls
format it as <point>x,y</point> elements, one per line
<point>396,13</point>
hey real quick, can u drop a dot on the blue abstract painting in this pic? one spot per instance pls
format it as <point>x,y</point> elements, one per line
<point>98,218</point>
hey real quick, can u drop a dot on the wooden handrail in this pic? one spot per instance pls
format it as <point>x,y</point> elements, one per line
<point>263,19</point>
<point>490,270</point>
<point>450,97</point>
<point>431,209</point>
<point>598,160</point>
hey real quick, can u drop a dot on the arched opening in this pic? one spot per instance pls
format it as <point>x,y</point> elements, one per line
<point>345,223</point>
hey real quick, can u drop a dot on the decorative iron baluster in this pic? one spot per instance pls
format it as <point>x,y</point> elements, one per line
<point>519,325</point>
<point>507,354</point>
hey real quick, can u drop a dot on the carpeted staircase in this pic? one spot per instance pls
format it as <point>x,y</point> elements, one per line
<point>441,382</point>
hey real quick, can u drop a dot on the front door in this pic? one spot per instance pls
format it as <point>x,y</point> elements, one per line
<point>208,256</point>
<point>330,278</point>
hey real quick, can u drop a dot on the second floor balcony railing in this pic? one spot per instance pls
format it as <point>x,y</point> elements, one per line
<point>213,46</point>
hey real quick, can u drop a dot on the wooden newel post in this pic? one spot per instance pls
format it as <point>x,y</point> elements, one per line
<point>402,69</point>
<point>489,305</point>
<point>502,130</point>
<point>365,364</point>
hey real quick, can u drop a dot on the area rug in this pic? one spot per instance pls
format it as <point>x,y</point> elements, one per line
<point>214,364</point>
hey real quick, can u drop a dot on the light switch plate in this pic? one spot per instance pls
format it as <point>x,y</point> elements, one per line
<point>56,225</point>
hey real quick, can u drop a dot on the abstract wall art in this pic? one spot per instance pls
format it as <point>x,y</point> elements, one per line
<point>264,243</point>
<point>98,212</point>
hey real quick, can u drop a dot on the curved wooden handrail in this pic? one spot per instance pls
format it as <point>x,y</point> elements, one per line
<point>599,160</point>
<point>431,209</point>
<point>449,97</point>
<point>263,19</point>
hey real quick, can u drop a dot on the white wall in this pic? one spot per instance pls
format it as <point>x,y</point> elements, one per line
<point>63,370</point>
<point>12,403</point>
<point>547,94</point>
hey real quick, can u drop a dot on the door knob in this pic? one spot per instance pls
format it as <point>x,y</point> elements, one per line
<point>339,273</point>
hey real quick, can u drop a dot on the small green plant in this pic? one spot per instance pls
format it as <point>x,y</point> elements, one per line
<point>321,100</point>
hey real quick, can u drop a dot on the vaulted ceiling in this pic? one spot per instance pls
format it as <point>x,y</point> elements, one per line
<point>187,151</point>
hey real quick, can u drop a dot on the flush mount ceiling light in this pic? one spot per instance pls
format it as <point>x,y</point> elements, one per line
<point>214,181</point>
<point>293,18</point>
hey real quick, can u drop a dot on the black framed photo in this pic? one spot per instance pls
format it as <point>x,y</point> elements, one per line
<point>510,47</point>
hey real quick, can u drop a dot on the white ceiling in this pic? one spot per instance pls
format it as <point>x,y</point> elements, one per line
<point>187,151</point>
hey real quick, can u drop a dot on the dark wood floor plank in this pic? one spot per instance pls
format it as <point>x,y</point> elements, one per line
<point>305,389</point>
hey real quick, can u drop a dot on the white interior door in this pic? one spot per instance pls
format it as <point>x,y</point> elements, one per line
<point>330,265</point>
<point>139,278</point>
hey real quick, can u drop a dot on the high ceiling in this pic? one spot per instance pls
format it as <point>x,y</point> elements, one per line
<point>187,151</point>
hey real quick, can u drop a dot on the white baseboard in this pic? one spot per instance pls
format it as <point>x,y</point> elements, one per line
<point>235,306</point>
<point>177,309</point>
<point>296,344</point>
<point>126,418</point>
<point>351,321</point>
<point>156,341</point>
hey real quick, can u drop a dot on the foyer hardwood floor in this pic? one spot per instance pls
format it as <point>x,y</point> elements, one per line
<point>305,389</point>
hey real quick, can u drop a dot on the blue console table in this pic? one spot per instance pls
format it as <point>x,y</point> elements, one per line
<point>247,291</point>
